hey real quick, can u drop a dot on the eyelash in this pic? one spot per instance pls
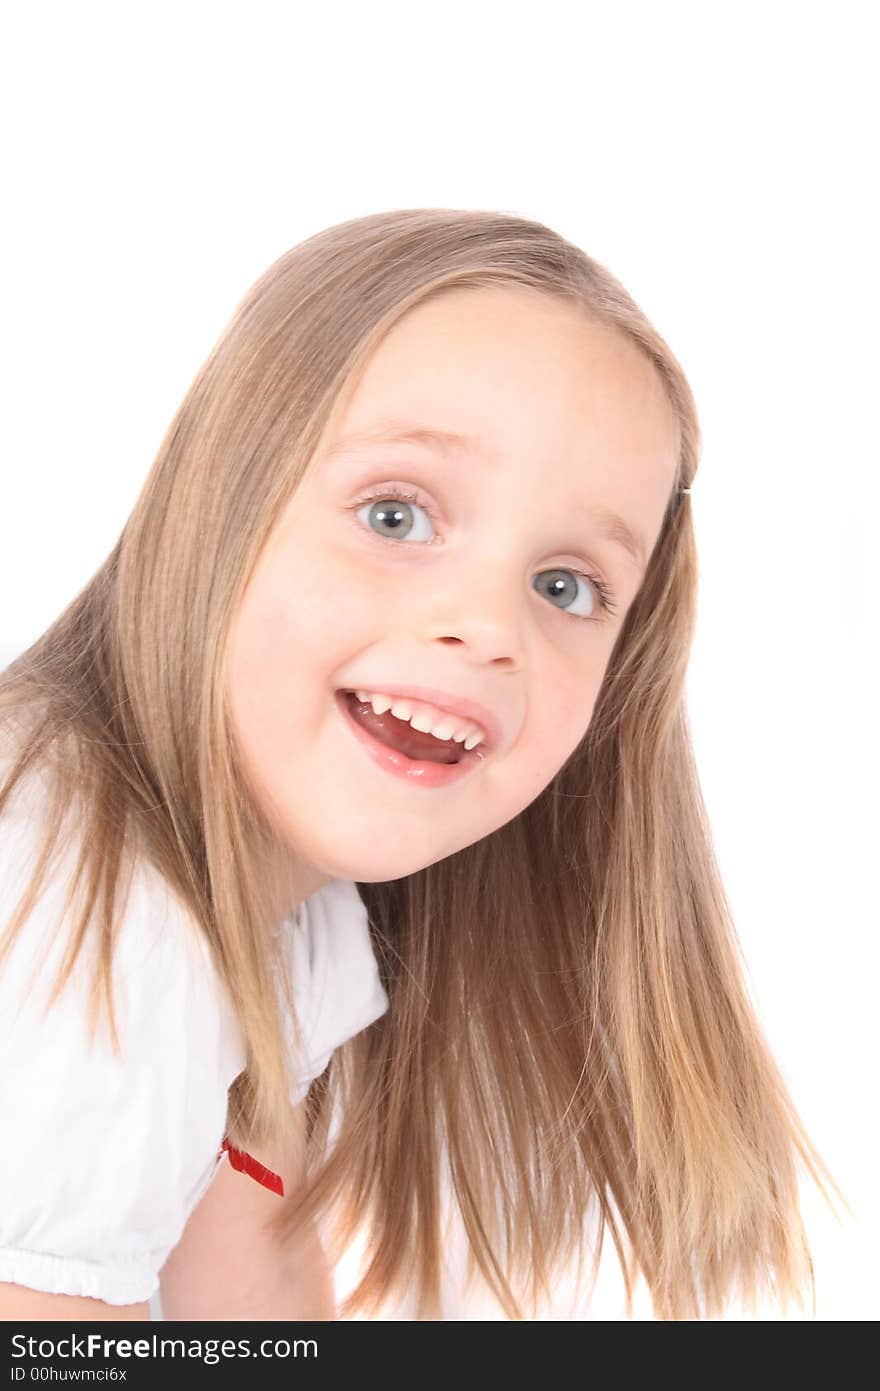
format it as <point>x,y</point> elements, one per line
<point>387,494</point>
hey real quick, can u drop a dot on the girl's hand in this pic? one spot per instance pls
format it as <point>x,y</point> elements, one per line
<point>227,1266</point>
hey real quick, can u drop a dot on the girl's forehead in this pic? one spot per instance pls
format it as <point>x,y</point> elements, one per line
<point>488,366</point>
<point>458,326</point>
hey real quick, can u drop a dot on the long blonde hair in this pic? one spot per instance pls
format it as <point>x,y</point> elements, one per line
<point>569,1030</point>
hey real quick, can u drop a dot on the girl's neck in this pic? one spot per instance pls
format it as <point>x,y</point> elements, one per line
<point>296,882</point>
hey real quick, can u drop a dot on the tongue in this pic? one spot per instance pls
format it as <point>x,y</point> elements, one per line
<point>400,735</point>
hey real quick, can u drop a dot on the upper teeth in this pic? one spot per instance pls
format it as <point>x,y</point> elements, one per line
<point>426,718</point>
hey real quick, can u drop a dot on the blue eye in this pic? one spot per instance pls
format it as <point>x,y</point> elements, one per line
<point>386,511</point>
<point>393,508</point>
<point>559,584</point>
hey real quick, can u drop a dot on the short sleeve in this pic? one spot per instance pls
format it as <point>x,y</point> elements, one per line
<point>336,984</point>
<point>104,1157</point>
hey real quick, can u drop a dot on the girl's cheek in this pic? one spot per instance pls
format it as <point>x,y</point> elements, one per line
<point>568,716</point>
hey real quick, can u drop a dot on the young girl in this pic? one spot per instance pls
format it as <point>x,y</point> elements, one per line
<point>367,752</point>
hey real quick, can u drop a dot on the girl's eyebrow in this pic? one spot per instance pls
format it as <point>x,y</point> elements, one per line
<point>451,443</point>
<point>395,432</point>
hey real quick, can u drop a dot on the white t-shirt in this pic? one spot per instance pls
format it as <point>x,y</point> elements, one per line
<point>102,1160</point>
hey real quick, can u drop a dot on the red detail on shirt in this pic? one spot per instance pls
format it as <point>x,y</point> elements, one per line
<point>246,1164</point>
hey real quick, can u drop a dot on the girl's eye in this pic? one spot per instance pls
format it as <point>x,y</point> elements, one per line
<point>390,517</point>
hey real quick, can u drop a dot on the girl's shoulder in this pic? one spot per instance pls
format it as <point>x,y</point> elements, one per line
<point>159,950</point>
<point>105,1151</point>
<point>161,959</point>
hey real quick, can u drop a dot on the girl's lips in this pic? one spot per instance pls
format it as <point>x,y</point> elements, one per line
<point>418,772</point>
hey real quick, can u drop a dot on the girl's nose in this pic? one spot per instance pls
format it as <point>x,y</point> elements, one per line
<point>482,608</point>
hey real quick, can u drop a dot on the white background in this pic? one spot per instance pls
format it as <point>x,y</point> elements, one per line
<point>721,161</point>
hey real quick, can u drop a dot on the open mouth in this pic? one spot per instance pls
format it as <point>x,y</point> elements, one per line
<point>399,734</point>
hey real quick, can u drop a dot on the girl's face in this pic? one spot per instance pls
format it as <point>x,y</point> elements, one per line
<point>486,583</point>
